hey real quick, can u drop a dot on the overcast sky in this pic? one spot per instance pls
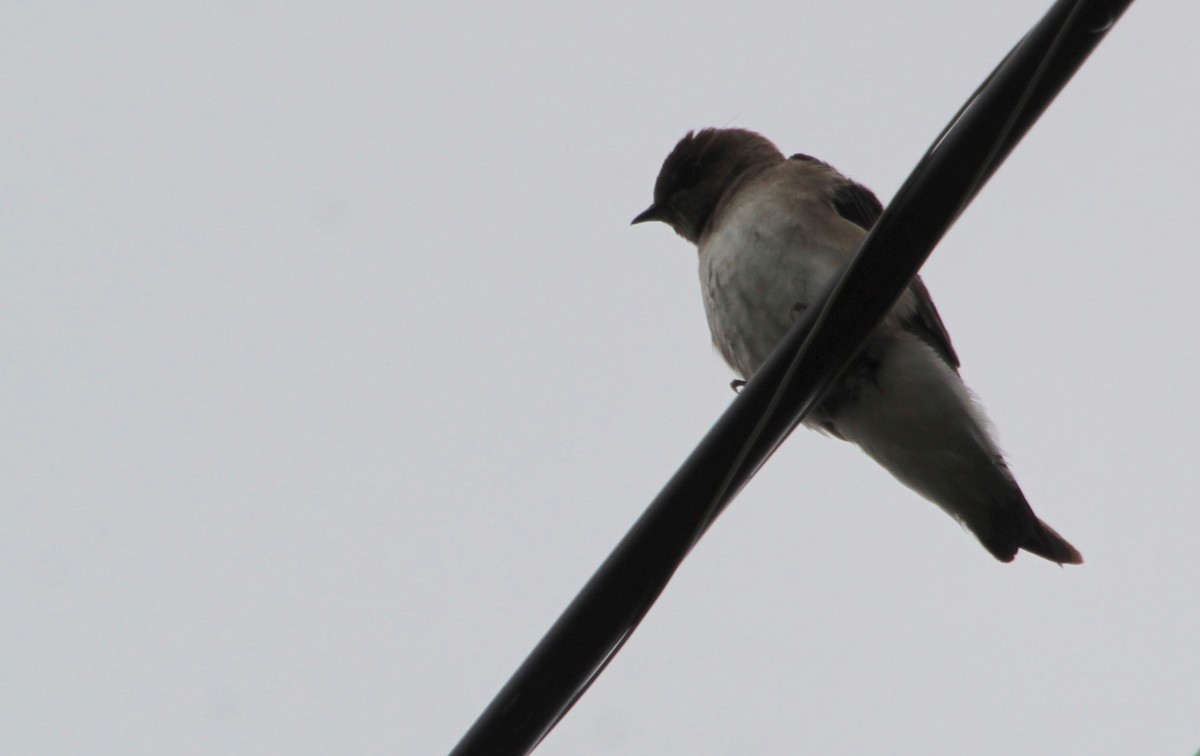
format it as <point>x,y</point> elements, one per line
<point>332,369</point>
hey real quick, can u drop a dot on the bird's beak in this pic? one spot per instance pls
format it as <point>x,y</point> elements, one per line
<point>649,214</point>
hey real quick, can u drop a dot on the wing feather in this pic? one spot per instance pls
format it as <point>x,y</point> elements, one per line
<point>860,206</point>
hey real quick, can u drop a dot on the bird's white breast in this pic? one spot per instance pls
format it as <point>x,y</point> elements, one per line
<point>764,260</point>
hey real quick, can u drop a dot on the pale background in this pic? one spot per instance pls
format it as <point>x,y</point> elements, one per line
<point>332,369</point>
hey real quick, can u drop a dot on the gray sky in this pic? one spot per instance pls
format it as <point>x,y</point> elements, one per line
<point>333,369</point>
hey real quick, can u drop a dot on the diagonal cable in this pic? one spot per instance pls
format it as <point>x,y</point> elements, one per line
<point>792,381</point>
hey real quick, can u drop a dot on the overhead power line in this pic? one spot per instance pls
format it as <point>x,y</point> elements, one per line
<point>588,634</point>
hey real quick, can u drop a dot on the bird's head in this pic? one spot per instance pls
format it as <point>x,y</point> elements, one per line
<point>701,168</point>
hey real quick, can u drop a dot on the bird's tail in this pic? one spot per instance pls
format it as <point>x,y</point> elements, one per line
<point>1048,544</point>
<point>1005,529</point>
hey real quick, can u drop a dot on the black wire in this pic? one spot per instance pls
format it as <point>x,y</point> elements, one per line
<point>586,637</point>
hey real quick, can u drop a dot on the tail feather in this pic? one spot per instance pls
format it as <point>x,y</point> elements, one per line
<point>1015,527</point>
<point>1048,544</point>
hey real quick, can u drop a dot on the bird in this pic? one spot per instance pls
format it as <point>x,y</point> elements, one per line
<point>771,232</point>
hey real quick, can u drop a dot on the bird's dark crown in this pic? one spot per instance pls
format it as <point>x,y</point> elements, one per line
<point>701,168</point>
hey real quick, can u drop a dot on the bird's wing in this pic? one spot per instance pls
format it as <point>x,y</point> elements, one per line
<point>927,324</point>
<point>860,206</point>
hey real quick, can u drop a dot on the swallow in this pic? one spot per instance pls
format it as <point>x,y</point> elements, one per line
<point>771,232</point>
